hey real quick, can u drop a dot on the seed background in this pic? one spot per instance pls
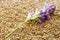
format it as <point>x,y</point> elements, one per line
<point>13,12</point>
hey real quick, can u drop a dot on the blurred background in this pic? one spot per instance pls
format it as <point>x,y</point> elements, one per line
<point>13,12</point>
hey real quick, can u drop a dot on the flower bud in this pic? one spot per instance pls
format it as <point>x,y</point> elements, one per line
<point>50,8</point>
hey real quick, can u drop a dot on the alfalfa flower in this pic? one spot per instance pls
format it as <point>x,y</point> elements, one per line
<point>39,15</point>
<point>50,8</point>
<point>45,14</point>
<point>43,17</point>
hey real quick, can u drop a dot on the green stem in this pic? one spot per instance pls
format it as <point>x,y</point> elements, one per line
<point>20,25</point>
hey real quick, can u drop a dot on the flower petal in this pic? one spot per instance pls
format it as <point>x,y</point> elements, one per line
<point>50,8</point>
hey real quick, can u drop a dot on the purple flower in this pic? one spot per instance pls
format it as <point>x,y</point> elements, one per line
<point>45,14</point>
<point>43,17</point>
<point>50,8</point>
